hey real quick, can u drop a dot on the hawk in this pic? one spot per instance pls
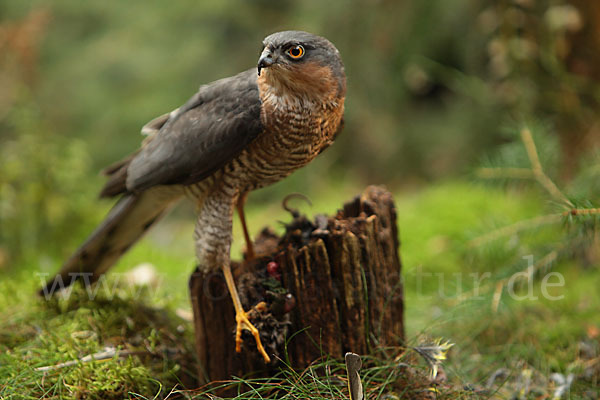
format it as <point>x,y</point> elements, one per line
<point>233,136</point>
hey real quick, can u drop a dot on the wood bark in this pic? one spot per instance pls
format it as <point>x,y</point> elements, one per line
<point>325,287</point>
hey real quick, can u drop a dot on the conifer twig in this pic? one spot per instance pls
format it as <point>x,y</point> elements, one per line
<point>501,172</point>
<point>538,171</point>
<point>499,285</point>
<point>582,211</point>
<point>515,228</point>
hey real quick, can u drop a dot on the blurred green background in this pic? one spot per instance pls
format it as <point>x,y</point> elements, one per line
<point>431,86</point>
<point>436,89</point>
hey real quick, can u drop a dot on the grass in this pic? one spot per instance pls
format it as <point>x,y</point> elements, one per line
<point>520,341</point>
<point>326,379</point>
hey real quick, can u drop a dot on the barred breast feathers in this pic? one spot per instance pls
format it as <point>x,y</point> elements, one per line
<point>291,94</point>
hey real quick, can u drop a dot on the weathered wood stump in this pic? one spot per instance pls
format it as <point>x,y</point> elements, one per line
<point>326,287</point>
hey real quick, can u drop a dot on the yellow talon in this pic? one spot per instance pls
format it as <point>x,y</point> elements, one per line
<point>241,317</point>
<point>244,323</point>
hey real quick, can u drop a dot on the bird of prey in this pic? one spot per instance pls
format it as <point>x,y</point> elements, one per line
<point>233,136</point>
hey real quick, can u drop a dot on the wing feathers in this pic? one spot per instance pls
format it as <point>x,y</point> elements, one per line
<point>195,140</point>
<point>212,128</point>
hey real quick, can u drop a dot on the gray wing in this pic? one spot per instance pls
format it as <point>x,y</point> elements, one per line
<point>154,126</point>
<point>200,137</point>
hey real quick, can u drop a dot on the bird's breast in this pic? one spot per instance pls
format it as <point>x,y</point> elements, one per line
<point>295,132</point>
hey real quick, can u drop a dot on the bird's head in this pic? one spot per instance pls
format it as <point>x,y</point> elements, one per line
<point>301,64</point>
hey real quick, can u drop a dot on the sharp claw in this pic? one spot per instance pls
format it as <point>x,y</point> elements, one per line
<point>238,338</point>
<point>244,323</point>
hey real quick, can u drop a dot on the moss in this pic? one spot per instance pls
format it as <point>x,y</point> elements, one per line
<point>541,335</point>
<point>39,333</point>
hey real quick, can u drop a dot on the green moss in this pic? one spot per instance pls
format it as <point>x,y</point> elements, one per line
<point>436,225</point>
<point>37,333</point>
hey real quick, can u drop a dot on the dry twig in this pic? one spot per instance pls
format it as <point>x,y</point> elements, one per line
<point>108,353</point>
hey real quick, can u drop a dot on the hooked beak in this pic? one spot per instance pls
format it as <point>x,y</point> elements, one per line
<point>265,60</point>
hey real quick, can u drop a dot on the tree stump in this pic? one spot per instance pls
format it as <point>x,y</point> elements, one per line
<point>327,286</point>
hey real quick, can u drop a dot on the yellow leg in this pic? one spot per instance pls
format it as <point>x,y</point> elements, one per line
<point>240,209</point>
<point>241,317</point>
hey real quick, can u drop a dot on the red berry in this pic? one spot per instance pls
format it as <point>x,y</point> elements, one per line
<point>273,270</point>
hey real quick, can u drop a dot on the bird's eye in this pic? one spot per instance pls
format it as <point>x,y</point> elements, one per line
<point>296,52</point>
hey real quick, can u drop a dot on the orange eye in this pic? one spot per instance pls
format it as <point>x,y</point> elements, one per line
<point>296,52</point>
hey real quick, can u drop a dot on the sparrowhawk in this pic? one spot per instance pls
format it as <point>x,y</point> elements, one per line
<point>233,136</point>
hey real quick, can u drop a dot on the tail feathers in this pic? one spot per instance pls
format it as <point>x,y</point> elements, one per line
<point>117,177</point>
<point>124,225</point>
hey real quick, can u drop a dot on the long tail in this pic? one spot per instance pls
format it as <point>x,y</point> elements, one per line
<point>124,225</point>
